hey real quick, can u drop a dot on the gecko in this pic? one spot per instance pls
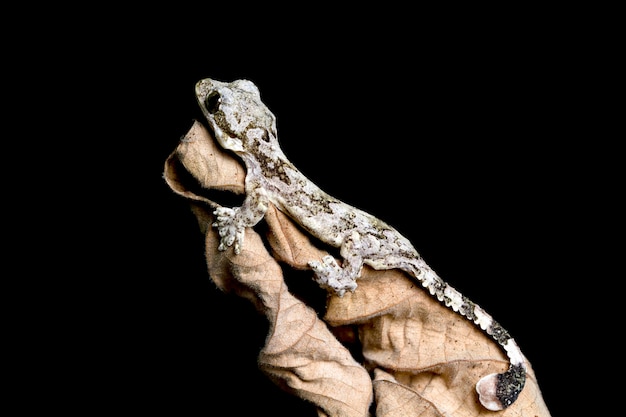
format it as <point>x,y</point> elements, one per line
<point>243,124</point>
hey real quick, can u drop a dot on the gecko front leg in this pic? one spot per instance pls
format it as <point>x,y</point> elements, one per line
<point>232,222</point>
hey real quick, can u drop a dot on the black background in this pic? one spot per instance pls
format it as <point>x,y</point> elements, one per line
<point>458,133</point>
<point>448,147</point>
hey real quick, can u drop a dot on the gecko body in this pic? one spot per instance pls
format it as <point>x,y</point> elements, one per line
<point>242,123</point>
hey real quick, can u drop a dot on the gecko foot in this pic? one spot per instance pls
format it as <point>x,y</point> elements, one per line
<point>329,274</point>
<point>228,229</point>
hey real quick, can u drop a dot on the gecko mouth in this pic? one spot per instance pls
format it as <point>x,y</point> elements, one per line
<point>204,117</point>
<point>209,126</point>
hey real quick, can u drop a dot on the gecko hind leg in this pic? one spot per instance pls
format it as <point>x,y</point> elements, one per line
<point>329,274</point>
<point>354,249</point>
<point>342,278</point>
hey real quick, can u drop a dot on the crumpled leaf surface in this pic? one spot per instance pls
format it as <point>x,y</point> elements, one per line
<point>421,359</point>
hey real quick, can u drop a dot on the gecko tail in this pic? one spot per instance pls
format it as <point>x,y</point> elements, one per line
<point>498,391</point>
<point>495,391</point>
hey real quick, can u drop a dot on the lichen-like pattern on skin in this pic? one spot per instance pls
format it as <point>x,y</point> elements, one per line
<point>242,123</point>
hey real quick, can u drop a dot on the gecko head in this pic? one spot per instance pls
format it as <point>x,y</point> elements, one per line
<point>236,114</point>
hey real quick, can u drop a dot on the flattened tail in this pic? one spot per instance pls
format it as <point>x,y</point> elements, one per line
<point>495,391</point>
<point>498,391</point>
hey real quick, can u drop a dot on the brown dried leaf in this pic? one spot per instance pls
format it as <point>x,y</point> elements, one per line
<point>424,358</point>
<point>209,164</point>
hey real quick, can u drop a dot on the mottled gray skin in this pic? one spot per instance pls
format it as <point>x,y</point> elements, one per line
<point>243,124</point>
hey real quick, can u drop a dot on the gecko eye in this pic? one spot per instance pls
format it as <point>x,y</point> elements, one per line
<point>212,102</point>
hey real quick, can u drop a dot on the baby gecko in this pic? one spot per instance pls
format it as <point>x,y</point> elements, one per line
<point>243,124</point>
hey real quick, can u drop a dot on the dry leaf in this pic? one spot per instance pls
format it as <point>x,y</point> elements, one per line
<point>421,359</point>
